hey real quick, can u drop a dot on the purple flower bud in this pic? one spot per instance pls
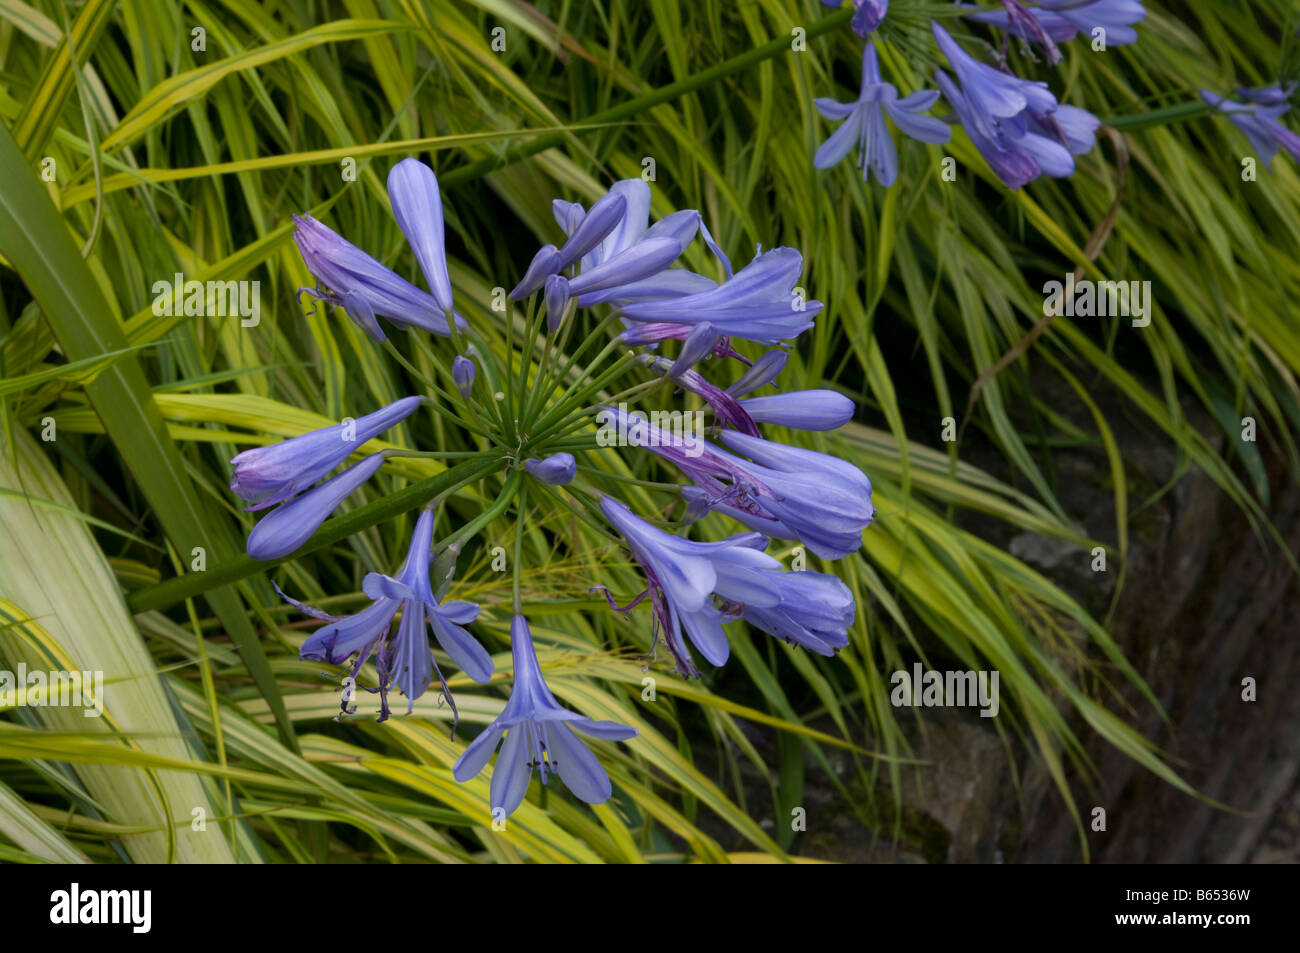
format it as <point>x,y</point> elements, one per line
<point>557,469</point>
<point>595,225</point>
<point>557,298</point>
<point>284,529</point>
<point>462,372</point>
<point>801,409</point>
<point>868,15</point>
<point>762,373</point>
<point>698,345</point>
<point>268,475</point>
<point>417,206</point>
<point>545,263</point>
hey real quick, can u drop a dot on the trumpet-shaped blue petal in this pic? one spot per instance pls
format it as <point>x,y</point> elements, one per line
<point>538,736</point>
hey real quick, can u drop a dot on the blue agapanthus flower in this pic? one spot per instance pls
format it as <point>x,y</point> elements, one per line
<point>864,123</point>
<point>782,492</point>
<point>538,736</point>
<point>697,588</point>
<point>1059,21</point>
<point>757,303</point>
<point>1016,124</point>
<point>268,475</point>
<point>1257,118</point>
<point>403,658</point>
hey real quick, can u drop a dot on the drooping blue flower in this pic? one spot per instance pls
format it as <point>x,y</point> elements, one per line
<point>1016,124</point>
<point>1062,20</point>
<point>815,612</point>
<point>363,286</point>
<point>403,658</point>
<point>867,14</point>
<point>538,735</point>
<point>780,491</point>
<point>756,303</point>
<point>1258,117</point>
<point>697,588</point>
<point>864,123</point>
<point>995,100</point>
<point>268,475</point>
<point>557,469</point>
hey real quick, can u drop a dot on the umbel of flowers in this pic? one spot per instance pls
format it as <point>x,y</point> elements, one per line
<point>612,258</point>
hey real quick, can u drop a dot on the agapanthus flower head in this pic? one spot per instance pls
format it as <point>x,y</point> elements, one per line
<point>864,123</point>
<point>538,736</point>
<point>697,588</point>
<point>1258,119</point>
<point>403,658</point>
<point>757,303</point>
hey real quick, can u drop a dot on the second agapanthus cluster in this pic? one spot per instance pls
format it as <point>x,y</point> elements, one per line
<point>613,259</point>
<point>1016,124</point>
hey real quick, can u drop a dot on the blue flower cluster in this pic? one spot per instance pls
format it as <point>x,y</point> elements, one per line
<point>611,256</point>
<point>1016,124</point>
